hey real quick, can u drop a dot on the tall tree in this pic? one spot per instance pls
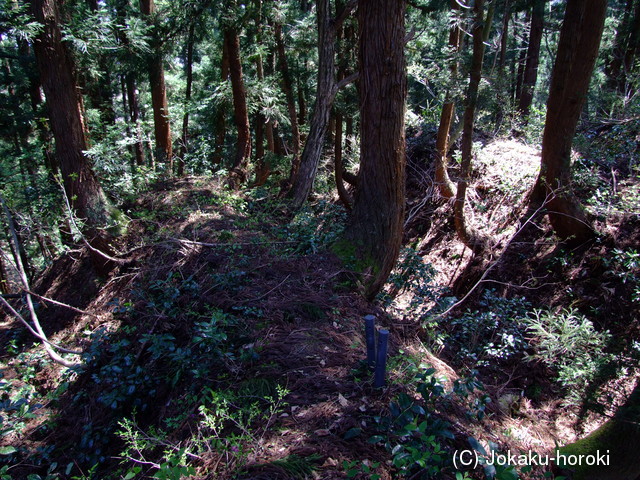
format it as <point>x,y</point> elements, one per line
<point>188,66</point>
<point>464,231</point>
<point>375,228</point>
<point>238,172</point>
<point>130,95</point>
<point>66,115</point>
<point>161,121</point>
<point>530,74</point>
<point>287,88</point>
<point>577,52</point>
<point>445,185</point>
<point>626,47</point>
<point>327,88</point>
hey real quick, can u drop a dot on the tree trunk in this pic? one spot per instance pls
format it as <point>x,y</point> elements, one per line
<point>238,173</point>
<point>465,233</point>
<point>287,88</point>
<point>184,148</point>
<point>262,169</point>
<point>4,278</point>
<point>130,95</point>
<point>374,233</point>
<point>161,121</point>
<point>221,120</point>
<point>99,89</point>
<point>577,52</point>
<point>633,47</point>
<point>522,60</point>
<point>134,114</point>
<point>616,439</point>
<point>303,180</point>
<point>501,77</point>
<point>343,194</point>
<point>533,57</point>
<point>67,119</point>
<point>445,185</point>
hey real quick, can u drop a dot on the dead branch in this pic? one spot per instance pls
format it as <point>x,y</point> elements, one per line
<point>48,346</point>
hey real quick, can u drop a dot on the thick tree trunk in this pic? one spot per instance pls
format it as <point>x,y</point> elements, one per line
<point>616,439</point>
<point>445,185</point>
<point>465,233</point>
<point>161,121</point>
<point>67,119</point>
<point>238,173</point>
<point>530,75</point>
<point>577,52</point>
<point>66,116</point>
<point>374,233</point>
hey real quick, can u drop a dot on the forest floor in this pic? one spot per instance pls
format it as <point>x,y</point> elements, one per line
<point>230,344</point>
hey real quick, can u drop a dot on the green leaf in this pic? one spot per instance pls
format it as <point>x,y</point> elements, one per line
<point>476,445</point>
<point>8,450</point>
<point>352,433</point>
<point>376,439</point>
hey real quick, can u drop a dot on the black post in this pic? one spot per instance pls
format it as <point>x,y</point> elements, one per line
<point>381,360</point>
<point>369,330</point>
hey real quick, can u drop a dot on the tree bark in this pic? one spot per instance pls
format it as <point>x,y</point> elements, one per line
<point>617,437</point>
<point>66,116</point>
<point>633,47</point>
<point>326,90</point>
<point>221,120</point>
<point>465,233</point>
<point>522,60</point>
<point>445,185</point>
<point>501,77</point>
<point>134,115</point>
<point>374,233</point>
<point>67,119</point>
<point>343,193</point>
<point>287,88</point>
<point>184,148</point>
<point>161,121</point>
<point>4,278</point>
<point>613,70</point>
<point>577,52</point>
<point>530,75</point>
<point>238,173</point>
<point>262,168</point>
<point>130,95</point>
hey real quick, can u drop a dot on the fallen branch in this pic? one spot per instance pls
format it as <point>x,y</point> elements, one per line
<point>492,266</point>
<point>21,319</point>
<point>39,333</point>
<point>61,304</point>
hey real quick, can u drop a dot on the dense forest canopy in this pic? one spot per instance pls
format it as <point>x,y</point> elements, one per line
<point>201,201</point>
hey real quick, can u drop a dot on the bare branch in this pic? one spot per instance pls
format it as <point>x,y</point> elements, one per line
<point>21,319</point>
<point>48,346</point>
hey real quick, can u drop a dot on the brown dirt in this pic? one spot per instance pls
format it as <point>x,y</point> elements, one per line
<point>299,313</point>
